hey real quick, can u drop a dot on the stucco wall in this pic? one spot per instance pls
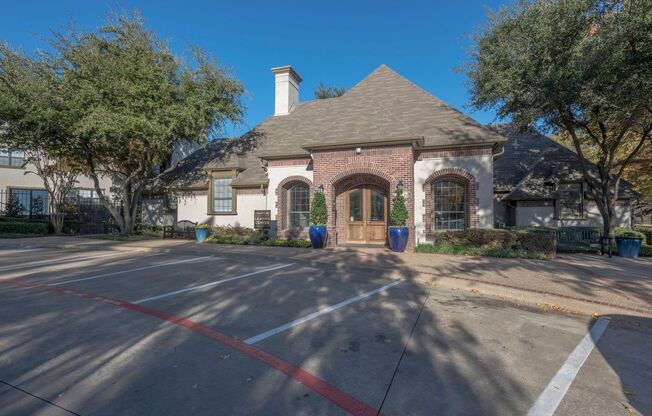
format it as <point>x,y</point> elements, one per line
<point>480,166</point>
<point>545,216</point>
<point>16,178</point>
<point>276,174</point>
<point>194,207</point>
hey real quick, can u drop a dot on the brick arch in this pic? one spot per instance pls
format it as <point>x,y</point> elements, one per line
<point>282,211</point>
<point>471,197</point>
<point>366,169</point>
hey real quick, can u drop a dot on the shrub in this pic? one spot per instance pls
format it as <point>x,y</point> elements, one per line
<point>318,212</point>
<point>447,248</point>
<point>627,232</point>
<point>537,243</point>
<point>399,212</point>
<point>256,240</point>
<point>646,251</point>
<point>7,227</point>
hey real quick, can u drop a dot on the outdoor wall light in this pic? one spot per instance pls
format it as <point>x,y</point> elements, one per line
<point>399,185</point>
<point>321,188</point>
<point>358,150</point>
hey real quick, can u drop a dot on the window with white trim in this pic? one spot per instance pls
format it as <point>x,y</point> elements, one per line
<point>299,210</point>
<point>449,205</point>
<point>222,195</point>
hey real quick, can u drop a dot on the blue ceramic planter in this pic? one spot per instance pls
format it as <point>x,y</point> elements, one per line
<point>201,234</point>
<point>318,236</point>
<point>398,238</point>
<point>628,247</point>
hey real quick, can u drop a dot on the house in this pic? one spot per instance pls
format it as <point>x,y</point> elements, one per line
<point>538,182</point>
<point>383,134</point>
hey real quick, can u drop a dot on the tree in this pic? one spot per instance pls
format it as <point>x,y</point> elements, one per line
<point>322,91</point>
<point>58,179</point>
<point>582,68</point>
<point>13,207</point>
<point>399,212</point>
<point>637,172</point>
<point>318,212</point>
<point>126,100</point>
<point>30,113</point>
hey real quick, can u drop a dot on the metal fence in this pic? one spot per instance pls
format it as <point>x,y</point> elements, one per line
<point>578,235</point>
<point>83,215</point>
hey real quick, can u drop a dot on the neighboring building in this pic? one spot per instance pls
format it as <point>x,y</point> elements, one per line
<point>538,182</point>
<point>382,134</point>
<point>17,182</point>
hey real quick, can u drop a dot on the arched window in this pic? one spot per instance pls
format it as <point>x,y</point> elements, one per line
<point>299,209</point>
<point>449,205</point>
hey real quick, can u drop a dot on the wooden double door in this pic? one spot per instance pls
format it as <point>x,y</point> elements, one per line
<point>366,212</point>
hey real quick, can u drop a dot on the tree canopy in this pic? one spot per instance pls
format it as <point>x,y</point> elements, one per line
<point>120,102</point>
<point>322,91</point>
<point>579,67</point>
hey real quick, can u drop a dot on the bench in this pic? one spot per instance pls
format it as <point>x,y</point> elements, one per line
<point>183,228</point>
<point>589,238</point>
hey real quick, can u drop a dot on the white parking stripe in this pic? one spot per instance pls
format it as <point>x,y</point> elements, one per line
<point>317,314</point>
<point>217,282</point>
<point>26,265</point>
<point>548,401</point>
<point>3,252</point>
<point>154,266</point>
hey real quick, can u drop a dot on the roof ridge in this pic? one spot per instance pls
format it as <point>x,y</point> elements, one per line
<point>530,171</point>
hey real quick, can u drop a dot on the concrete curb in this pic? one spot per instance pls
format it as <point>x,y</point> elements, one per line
<point>546,300</point>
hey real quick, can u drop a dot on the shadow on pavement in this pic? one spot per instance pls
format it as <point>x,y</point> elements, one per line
<point>93,358</point>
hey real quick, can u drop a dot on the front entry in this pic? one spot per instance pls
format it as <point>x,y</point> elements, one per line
<point>366,220</point>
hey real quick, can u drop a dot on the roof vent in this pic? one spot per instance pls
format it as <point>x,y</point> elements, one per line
<point>286,90</point>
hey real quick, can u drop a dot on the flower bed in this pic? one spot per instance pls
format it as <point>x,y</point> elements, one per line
<point>247,236</point>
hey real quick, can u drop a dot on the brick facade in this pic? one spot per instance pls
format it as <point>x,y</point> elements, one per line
<point>472,201</point>
<point>342,169</point>
<point>282,227</point>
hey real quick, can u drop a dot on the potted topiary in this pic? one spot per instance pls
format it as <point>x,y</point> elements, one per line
<point>318,217</point>
<point>629,242</point>
<point>398,232</point>
<point>201,232</point>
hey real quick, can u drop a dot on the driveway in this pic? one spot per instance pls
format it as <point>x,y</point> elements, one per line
<point>220,331</point>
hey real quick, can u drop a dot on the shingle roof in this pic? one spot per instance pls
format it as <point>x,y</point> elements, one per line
<point>533,162</point>
<point>382,106</point>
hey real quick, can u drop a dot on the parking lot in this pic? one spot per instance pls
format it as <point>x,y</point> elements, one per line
<point>100,332</point>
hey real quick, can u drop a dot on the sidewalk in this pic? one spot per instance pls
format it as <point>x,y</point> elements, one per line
<point>576,283</point>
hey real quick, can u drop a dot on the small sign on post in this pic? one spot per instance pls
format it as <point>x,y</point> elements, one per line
<point>262,219</point>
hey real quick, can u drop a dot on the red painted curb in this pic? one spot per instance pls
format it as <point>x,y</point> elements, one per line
<point>318,385</point>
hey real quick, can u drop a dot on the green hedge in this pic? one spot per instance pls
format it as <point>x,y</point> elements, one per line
<point>499,243</point>
<point>69,226</point>
<point>242,236</point>
<point>257,241</point>
<point>7,227</point>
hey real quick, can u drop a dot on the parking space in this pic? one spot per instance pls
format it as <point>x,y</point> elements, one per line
<point>101,332</point>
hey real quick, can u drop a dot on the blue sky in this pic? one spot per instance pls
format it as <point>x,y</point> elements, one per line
<point>338,42</point>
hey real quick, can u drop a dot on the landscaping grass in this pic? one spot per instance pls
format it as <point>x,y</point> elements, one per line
<point>462,250</point>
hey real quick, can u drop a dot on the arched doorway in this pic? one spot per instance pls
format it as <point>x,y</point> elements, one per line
<point>362,213</point>
<point>365,207</point>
